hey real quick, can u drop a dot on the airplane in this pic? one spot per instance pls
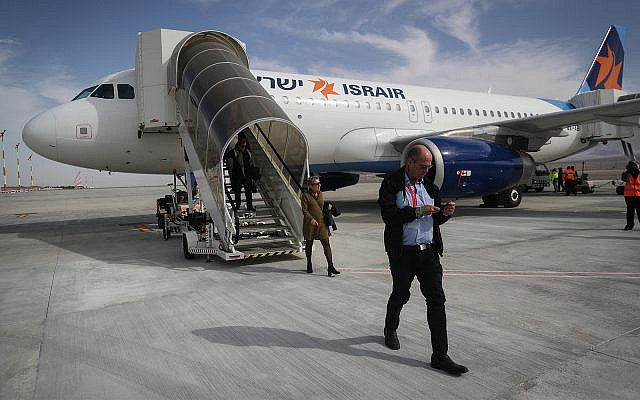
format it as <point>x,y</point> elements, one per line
<point>484,144</point>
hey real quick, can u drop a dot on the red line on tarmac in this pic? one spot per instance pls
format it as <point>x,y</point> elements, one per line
<point>552,274</point>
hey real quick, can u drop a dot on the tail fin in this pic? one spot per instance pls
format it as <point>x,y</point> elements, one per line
<point>606,68</point>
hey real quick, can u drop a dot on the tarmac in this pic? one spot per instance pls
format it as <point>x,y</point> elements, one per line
<point>542,301</point>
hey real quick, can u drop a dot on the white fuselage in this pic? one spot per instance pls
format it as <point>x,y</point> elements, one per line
<point>102,133</point>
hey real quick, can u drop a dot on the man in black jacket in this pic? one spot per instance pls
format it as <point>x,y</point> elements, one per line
<point>412,213</point>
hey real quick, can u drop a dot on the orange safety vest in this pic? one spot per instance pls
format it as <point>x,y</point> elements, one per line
<point>570,175</point>
<point>632,187</point>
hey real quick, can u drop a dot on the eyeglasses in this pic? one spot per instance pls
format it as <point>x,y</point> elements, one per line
<point>315,184</point>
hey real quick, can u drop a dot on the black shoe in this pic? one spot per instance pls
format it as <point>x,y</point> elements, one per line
<point>628,228</point>
<point>251,208</point>
<point>332,270</point>
<point>446,364</point>
<point>391,339</point>
<point>309,268</point>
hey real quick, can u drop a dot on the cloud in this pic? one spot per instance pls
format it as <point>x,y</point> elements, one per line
<point>538,68</point>
<point>270,65</point>
<point>457,18</point>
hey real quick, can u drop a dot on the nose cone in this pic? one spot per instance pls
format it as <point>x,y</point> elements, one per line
<point>40,135</point>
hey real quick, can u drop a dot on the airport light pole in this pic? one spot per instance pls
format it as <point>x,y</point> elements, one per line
<point>18,161</point>
<point>31,169</point>
<point>4,167</point>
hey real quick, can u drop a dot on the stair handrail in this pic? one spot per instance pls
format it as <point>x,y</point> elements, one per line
<point>279,158</point>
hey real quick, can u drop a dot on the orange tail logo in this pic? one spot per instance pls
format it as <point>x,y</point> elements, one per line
<point>609,71</point>
<point>325,88</point>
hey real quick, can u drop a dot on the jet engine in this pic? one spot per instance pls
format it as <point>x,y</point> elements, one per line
<point>465,167</point>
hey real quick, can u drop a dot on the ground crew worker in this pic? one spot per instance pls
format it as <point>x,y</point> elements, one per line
<point>632,193</point>
<point>553,177</point>
<point>570,178</point>
<point>560,180</point>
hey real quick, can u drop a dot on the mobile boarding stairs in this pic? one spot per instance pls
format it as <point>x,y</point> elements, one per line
<point>199,85</point>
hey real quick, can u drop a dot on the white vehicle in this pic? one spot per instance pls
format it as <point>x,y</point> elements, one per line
<point>538,180</point>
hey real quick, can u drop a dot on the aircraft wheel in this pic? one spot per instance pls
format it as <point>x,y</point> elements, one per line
<point>512,197</point>
<point>539,190</point>
<point>185,248</point>
<point>490,200</point>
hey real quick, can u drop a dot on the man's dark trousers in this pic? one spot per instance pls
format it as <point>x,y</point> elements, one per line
<point>425,265</point>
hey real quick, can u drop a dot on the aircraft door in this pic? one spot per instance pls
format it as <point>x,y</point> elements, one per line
<point>413,111</point>
<point>426,107</point>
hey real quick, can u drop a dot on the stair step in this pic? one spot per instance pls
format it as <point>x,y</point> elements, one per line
<point>264,242</point>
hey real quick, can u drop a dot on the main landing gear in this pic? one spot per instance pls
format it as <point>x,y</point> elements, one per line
<point>508,198</point>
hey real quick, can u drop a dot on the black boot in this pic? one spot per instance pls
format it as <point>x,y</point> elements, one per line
<point>391,339</point>
<point>446,364</point>
<point>332,270</point>
<point>309,267</point>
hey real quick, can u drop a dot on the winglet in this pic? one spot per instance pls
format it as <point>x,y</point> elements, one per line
<point>606,68</point>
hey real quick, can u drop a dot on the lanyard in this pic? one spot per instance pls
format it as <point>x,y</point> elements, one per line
<point>414,200</point>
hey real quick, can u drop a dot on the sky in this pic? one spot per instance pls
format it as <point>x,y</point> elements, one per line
<point>50,50</point>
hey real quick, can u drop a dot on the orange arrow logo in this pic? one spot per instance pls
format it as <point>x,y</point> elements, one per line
<point>325,87</point>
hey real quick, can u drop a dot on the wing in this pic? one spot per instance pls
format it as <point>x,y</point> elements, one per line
<point>532,132</point>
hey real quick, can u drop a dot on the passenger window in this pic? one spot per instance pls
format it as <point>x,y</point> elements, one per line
<point>444,109</point>
<point>499,115</point>
<point>426,110</point>
<point>512,115</point>
<point>298,100</point>
<point>357,104</point>
<point>484,112</point>
<point>398,108</point>
<point>468,111</point>
<point>477,113</point>
<point>437,109</point>
<point>506,114</point>
<point>453,110</point>
<point>285,99</point>
<point>378,107</point>
<point>367,105</point>
<point>388,106</point>
<point>125,91</point>
<point>461,111</point>
<point>86,92</point>
<point>491,113</point>
<point>104,91</point>
<point>519,115</point>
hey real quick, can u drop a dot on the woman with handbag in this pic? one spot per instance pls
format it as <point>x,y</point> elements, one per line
<point>314,227</point>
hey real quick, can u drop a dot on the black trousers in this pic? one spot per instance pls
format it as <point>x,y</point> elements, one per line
<point>237,190</point>
<point>425,265</point>
<point>633,206</point>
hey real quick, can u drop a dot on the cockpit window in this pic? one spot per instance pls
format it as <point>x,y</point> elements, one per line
<point>104,91</point>
<point>85,92</point>
<point>125,91</point>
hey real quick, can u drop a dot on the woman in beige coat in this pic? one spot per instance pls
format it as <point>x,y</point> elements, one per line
<point>313,227</point>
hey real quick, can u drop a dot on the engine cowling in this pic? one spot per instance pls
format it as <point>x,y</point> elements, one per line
<point>337,180</point>
<point>465,167</point>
